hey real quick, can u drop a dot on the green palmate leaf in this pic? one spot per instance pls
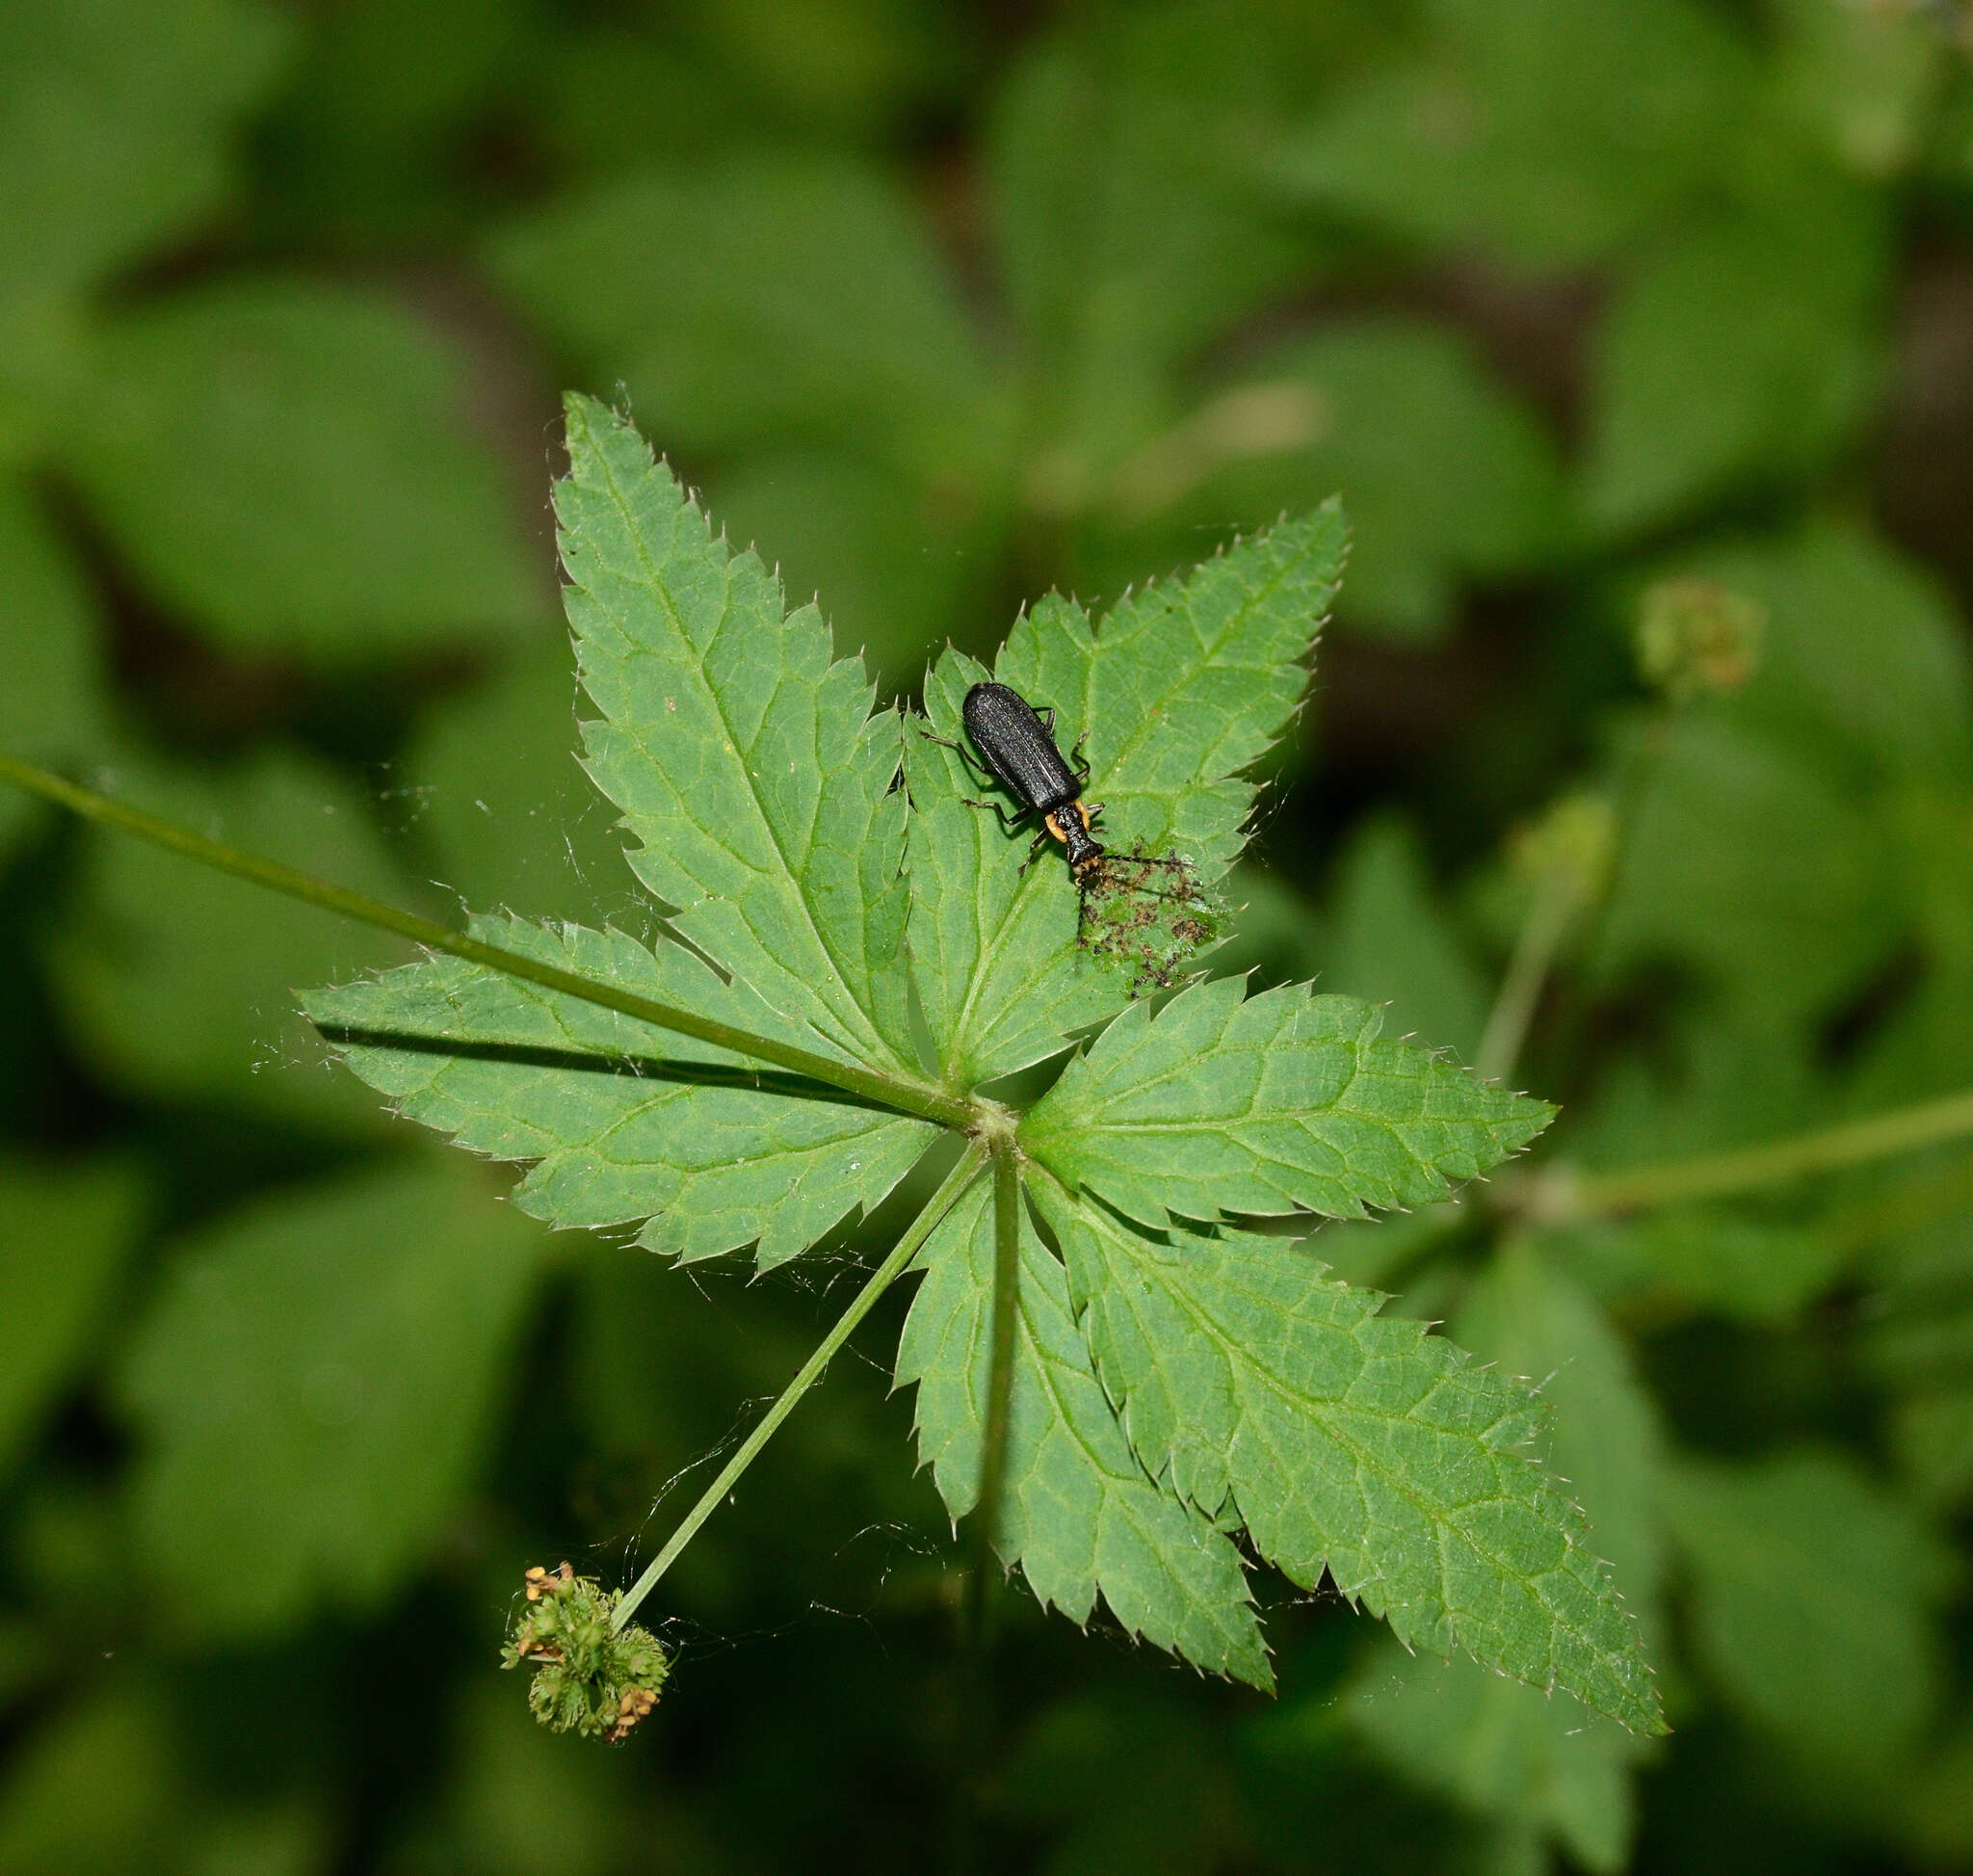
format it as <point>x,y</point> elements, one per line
<point>1812,1591</point>
<point>761,787</point>
<point>313,1390</point>
<point>1179,689</point>
<point>1253,1384</point>
<point>341,511</point>
<point>623,1122</point>
<point>1269,1104</point>
<point>745,760</point>
<point>1077,1512</point>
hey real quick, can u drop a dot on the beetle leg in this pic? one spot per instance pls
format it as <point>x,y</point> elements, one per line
<point>999,812</point>
<point>1040,841</point>
<point>1081,761</point>
<point>971,762</point>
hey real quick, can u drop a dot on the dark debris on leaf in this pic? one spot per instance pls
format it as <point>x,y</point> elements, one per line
<point>1149,914</point>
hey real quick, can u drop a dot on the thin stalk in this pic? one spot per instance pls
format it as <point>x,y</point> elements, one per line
<point>1560,1196</point>
<point>870,1084</point>
<point>1527,971</point>
<point>1006,1253</point>
<point>977,1726</point>
<point>886,1273</point>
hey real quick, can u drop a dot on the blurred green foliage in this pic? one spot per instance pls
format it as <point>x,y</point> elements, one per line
<point>944,305</point>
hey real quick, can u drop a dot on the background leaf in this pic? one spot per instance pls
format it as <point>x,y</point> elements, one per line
<point>65,1236</point>
<point>314,1390</point>
<point>1125,225</point>
<point>1919,1347</point>
<point>944,308</point>
<point>1445,476</point>
<point>1738,841</point>
<point>342,508</point>
<point>1394,946</point>
<point>1736,353</point>
<point>117,113</point>
<point>158,1009</point>
<point>493,800</point>
<point>816,264</point>
<point>51,710</point>
<point>1550,132</point>
<point>1812,1597</point>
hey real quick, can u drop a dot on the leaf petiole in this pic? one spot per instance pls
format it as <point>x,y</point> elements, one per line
<point>1562,1196</point>
<point>1006,1253</point>
<point>886,1273</point>
<point>904,1096</point>
<point>1527,973</point>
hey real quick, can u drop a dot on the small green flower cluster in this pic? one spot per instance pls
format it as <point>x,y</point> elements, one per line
<point>1695,635</point>
<point>590,1678</point>
<point>1148,912</point>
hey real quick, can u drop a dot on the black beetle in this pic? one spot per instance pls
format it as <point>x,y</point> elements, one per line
<point>1017,746</point>
<point>1016,743</point>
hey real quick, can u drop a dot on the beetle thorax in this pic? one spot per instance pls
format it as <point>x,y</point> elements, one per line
<point>1069,823</point>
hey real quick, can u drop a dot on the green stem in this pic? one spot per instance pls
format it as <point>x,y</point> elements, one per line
<point>1006,1253</point>
<point>1527,971</point>
<point>886,1273</point>
<point>870,1084</point>
<point>977,1728</point>
<point>1560,1196</point>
